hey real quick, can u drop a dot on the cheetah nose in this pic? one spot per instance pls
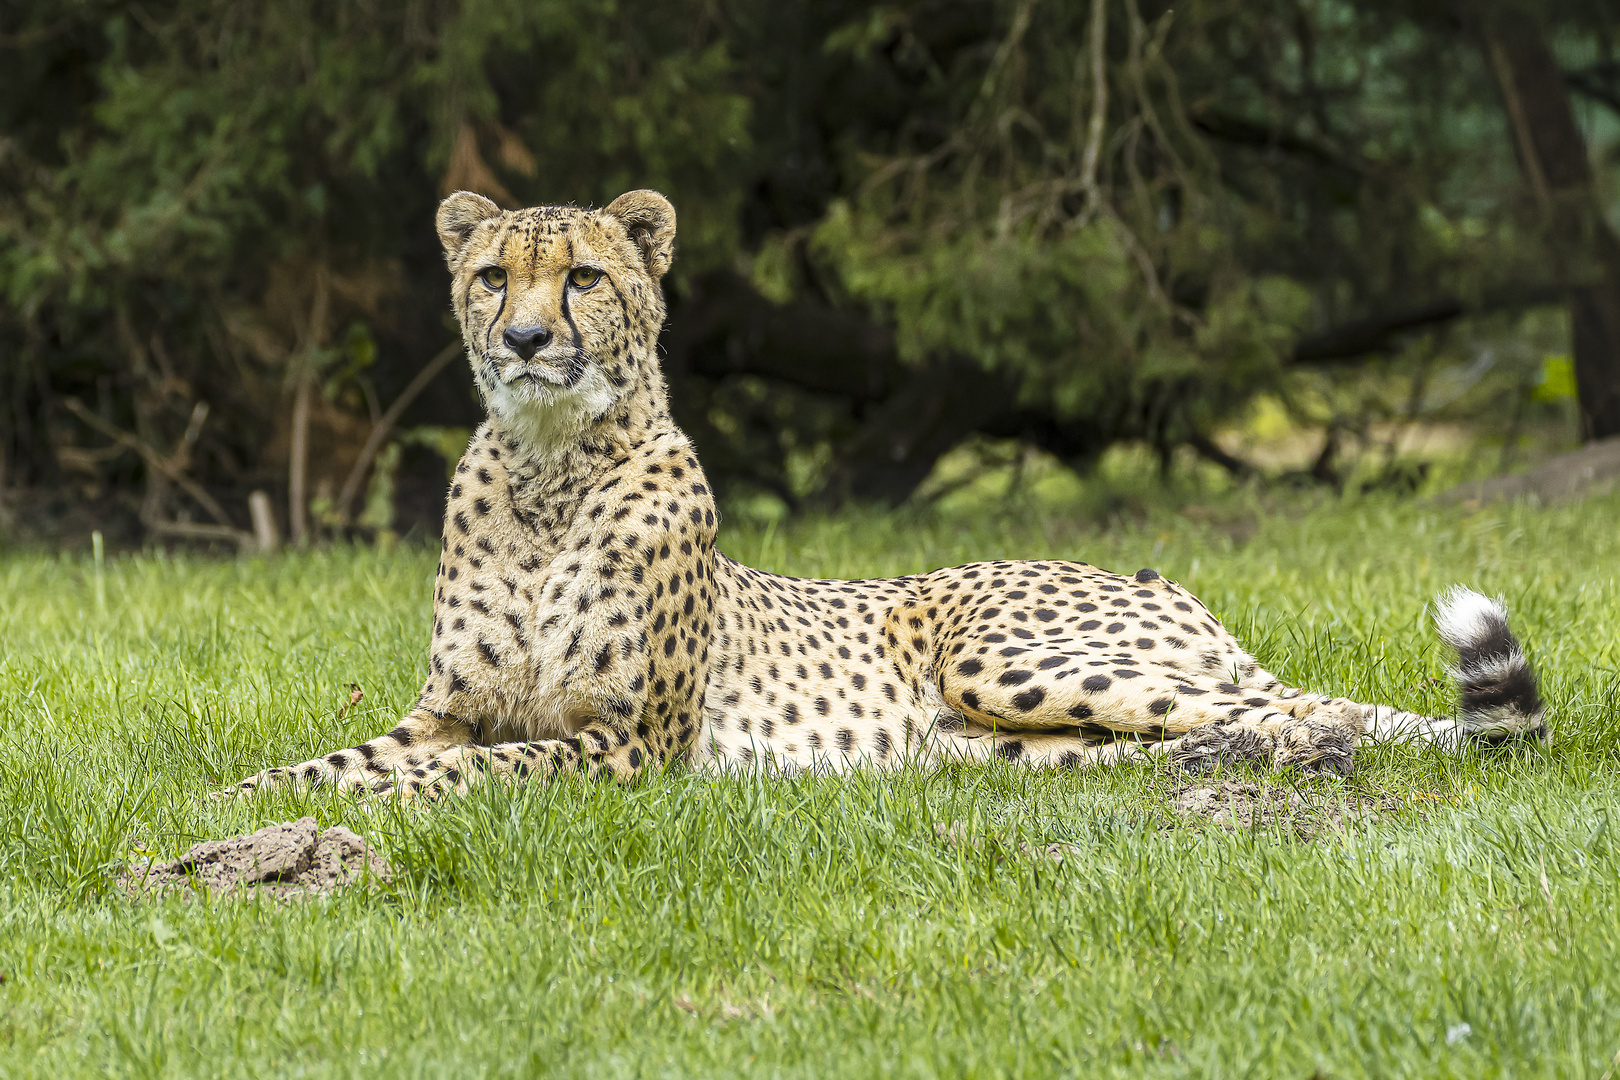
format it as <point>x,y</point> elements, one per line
<point>526,340</point>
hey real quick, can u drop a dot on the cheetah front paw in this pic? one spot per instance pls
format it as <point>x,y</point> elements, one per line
<point>307,776</point>
<point>259,781</point>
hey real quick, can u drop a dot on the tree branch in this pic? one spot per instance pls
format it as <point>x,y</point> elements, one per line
<point>385,423</point>
<point>1207,447</point>
<point>1359,337</point>
<point>1237,130</point>
<point>186,530</point>
<point>153,459</point>
<point>1600,82</point>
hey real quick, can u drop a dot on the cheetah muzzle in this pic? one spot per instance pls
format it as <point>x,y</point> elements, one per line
<point>584,622</point>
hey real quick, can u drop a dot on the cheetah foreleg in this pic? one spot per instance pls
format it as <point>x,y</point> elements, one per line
<point>598,752</point>
<point>416,740</point>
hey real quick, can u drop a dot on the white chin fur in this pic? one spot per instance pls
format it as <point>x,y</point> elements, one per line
<point>542,414</point>
<point>1465,617</point>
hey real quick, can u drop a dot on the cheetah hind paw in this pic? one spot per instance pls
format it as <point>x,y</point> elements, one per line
<point>1209,747</point>
<point>1316,746</point>
<point>249,787</point>
<point>1308,746</point>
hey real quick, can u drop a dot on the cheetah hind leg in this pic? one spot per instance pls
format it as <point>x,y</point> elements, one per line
<point>1499,704</point>
<point>1216,721</point>
<point>1046,749</point>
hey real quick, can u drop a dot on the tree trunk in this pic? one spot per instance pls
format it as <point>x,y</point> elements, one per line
<point>1553,158</point>
<point>1596,315</point>
<point>306,368</point>
<point>298,462</point>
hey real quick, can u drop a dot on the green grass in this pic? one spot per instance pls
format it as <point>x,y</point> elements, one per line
<point>815,927</point>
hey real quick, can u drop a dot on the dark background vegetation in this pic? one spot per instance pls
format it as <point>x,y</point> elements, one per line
<point>1059,225</point>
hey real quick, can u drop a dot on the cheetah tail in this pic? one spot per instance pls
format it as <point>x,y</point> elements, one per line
<point>1499,697</point>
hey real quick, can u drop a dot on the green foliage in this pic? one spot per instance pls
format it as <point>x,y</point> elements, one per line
<point>879,924</point>
<point>1154,208</point>
<point>1131,212</point>
<point>221,136</point>
<point>236,182</point>
<point>1071,314</point>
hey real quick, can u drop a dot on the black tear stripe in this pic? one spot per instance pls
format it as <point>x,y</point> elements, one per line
<point>568,317</point>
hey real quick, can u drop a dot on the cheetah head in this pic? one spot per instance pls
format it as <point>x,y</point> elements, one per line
<point>559,306</point>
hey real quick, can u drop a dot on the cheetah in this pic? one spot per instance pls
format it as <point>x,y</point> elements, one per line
<point>584,622</point>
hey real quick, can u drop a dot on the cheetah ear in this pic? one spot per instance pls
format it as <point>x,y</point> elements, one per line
<point>458,216</point>
<point>650,220</point>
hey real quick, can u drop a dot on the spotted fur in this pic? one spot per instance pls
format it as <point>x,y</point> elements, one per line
<point>584,622</point>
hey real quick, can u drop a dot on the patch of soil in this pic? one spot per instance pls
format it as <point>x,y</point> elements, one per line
<point>1241,804</point>
<point>1305,811</point>
<point>1591,470</point>
<point>288,860</point>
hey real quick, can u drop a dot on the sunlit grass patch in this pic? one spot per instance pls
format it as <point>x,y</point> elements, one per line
<point>895,924</point>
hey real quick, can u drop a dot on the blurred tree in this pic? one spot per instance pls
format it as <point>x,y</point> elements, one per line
<point>198,197</point>
<point>1088,223</point>
<point>901,224</point>
<point>1553,158</point>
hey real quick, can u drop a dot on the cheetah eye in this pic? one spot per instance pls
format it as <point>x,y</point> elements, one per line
<point>494,277</point>
<point>583,277</point>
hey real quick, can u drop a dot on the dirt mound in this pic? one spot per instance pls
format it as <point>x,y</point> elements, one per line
<point>291,859</point>
<point>1239,804</point>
